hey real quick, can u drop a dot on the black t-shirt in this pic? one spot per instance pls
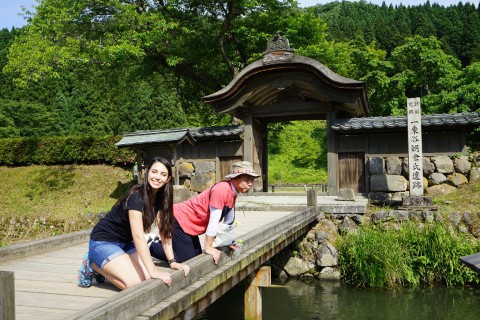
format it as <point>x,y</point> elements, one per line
<point>115,226</point>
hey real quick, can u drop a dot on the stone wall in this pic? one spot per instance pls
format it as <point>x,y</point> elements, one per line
<point>441,175</point>
<point>315,256</point>
<point>194,176</point>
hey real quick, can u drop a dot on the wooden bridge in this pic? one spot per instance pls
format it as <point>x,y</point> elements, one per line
<point>39,280</point>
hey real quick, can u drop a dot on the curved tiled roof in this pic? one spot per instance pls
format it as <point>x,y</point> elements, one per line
<point>217,132</point>
<point>431,120</point>
<point>294,71</point>
<point>179,135</point>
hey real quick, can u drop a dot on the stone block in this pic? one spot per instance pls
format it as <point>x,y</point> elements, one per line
<point>204,166</point>
<point>346,195</point>
<point>181,194</point>
<point>381,197</point>
<point>388,183</point>
<point>417,201</point>
<point>394,166</point>
<point>376,165</point>
<point>202,181</point>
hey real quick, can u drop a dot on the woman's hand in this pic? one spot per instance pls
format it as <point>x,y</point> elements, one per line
<point>214,253</point>
<point>162,275</point>
<point>180,266</point>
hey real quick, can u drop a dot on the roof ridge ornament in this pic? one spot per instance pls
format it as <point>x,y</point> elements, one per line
<point>278,43</point>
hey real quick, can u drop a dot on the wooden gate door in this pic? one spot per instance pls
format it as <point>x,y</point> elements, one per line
<point>351,171</point>
<point>226,165</point>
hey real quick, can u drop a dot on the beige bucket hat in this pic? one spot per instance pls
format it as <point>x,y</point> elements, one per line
<point>242,167</point>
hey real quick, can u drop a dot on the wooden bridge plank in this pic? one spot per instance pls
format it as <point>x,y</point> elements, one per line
<point>50,267</point>
<point>103,291</point>
<point>43,275</point>
<point>37,313</point>
<point>54,301</point>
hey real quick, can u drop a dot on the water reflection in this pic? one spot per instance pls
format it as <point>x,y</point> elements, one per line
<point>307,300</point>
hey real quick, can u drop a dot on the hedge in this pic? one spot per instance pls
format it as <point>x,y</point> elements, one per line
<point>64,150</point>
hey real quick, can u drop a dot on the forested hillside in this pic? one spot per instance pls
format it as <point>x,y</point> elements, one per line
<point>107,67</point>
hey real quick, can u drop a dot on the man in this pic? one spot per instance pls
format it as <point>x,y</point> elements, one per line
<point>202,214</point>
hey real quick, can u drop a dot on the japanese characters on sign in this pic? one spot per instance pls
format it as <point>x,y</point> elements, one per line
<point>415,163</point>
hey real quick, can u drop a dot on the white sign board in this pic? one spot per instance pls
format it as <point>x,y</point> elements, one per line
<point>415,161</point>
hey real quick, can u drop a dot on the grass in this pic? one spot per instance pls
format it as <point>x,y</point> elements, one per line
<point>411,255</point>
<point>41,201</point>
<point>465,199</point>
<point>297,153</point>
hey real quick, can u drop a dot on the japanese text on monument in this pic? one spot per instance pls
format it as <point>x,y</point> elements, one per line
<point>415,163</point>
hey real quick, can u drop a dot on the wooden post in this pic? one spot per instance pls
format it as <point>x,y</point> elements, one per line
<point>139,166</point>
<point>175,166</point>
<point>7,295</point>
<point>332,155</point>
<point>253,294</point>
<point>312,198</point>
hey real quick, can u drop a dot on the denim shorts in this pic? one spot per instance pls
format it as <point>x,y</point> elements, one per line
<point>101,252</point>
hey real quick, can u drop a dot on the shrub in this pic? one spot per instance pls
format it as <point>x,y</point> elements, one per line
<point>63,150</point>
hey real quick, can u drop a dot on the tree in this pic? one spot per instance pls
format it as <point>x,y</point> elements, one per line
<point>423,68</point>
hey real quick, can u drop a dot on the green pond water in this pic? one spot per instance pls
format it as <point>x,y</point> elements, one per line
<point>313,299</point>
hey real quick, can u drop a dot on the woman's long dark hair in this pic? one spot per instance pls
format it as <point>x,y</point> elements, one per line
<point>165,194</point>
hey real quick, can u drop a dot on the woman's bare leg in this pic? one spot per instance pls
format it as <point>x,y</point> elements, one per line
<point>122,271</point>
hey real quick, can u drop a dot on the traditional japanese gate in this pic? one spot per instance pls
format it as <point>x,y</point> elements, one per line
<point>283,86</point>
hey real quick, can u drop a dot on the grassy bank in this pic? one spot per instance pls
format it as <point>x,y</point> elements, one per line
<point>42,201</point>
<point>411,255</point>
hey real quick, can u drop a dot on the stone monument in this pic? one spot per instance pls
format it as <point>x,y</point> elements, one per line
<point>415,163</point>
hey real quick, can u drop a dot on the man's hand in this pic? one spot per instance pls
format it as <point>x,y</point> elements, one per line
<point>181,266</point>
<point>214,253</point>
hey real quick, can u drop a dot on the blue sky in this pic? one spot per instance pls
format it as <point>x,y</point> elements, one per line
<point>9,9</point>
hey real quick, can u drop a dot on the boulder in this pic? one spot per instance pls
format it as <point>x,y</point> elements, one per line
<point>443,164</point>
<point>405,169</point>
<point>457,179</point>
<point>428,167</point>
<point>329,273</point>
<point>462,165</point>
<point>436,178</point>
<point>474,175</point>
<point>185,170</point>
<point>296,267</point>
<point>347,226</point>
<point>440,190</point>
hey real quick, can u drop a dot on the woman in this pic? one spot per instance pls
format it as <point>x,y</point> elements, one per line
<point>118,250</point>
<point>202,214</point>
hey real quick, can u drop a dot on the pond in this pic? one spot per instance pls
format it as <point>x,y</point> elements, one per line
<point>308,300</point>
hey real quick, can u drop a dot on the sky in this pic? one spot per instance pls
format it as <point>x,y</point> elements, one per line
<point>9,9</point>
